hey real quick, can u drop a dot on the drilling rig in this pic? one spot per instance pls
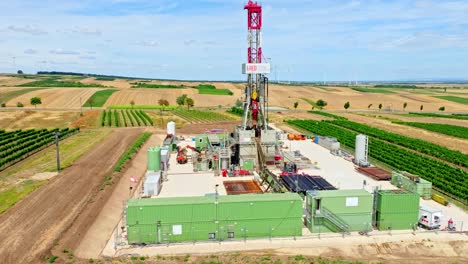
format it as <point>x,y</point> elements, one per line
<point>255,139</point>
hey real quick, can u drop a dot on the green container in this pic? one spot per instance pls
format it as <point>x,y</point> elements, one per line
<point>248,164</point>
<point>180,219</point>
<point>423,187</point>
<point>154,159</point>
<point>201,141</point>
<point>330,211</point>
<point>397,210</point>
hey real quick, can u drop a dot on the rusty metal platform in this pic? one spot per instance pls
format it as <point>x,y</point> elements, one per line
<point>376,173</point>
<point>241,187</point>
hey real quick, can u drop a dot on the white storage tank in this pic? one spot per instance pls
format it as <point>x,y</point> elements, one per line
<point>152,184</point>
<point>361,150</point>
<point>171,128</point>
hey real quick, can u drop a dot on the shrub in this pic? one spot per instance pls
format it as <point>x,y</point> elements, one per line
<point>19,104</point>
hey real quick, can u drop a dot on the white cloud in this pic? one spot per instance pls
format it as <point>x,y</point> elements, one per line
<point>88,57</point>
<point>30,51</point>
<point>27,29</point>
<point>147,43</point>
<point>84,31</point>
<point>64,52</point>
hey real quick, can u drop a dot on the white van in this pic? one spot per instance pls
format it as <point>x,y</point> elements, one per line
<point>429,218</point>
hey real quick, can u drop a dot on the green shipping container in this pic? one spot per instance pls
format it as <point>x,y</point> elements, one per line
<point>397,210</point>
<point>339,211</point>
<point>201,141</point>
<point>248,164</point>
<point>180,219</point>
<point>154,159</point>
<point>423,187</point>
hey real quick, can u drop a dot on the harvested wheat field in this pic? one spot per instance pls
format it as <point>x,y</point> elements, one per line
<point>28,119</point>
<point>56,97</point>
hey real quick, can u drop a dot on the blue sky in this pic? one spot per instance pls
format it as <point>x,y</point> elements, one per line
<point>306,39</point>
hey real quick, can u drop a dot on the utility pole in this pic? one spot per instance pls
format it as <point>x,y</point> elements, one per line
<point>56,134</point>
<point>81,108</point>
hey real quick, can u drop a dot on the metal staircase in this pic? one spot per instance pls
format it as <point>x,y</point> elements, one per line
<point>267,176</point>
<point>333,218</point>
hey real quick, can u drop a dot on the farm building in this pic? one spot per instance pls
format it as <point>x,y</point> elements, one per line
<point>179,219</point>
<point>339,211</point>
<point>397,210</point>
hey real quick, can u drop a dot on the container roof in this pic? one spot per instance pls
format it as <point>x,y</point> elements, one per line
<point>393,192</point>
<point>211,199</point>
<point>343,193</point>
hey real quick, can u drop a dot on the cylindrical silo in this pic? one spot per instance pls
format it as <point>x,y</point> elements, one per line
<point>171,128</point>
<point>154,159</point>
<point>361,149</point>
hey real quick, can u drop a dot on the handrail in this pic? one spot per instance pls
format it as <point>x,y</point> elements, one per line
<point>336,220</point>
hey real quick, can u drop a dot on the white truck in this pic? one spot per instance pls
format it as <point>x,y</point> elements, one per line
<point>429,218</point>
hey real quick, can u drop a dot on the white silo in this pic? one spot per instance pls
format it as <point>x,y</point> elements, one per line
<point>362,143</point>
<point>171,126</point>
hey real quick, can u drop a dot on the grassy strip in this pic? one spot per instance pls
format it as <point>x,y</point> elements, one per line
<point>456,99</point>
<point>130,118</point>
<point>116,118</point>
<point>109,118</point>
<point>312,103</point>
<point>452,116</point>
<point>105,79</point>
<point>451,130</point>
<point>132,150</point>
<point>99,98</point>
<point>11,196</point>
<point>156,107</point>
<point>12,94</point>
<point>55,83</point>
<point>372,90</point>
<point>211,89</point>
<point>399,86</point>
<point>157,86</point>
<point>327,115</point>
<point>135,117</point>
<point>145,115</point>
<point>103,118</point>
<point>124,118</point>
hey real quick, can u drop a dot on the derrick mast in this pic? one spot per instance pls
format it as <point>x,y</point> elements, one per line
<point>257,84</point>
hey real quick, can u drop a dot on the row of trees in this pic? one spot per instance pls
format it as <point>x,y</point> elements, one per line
<point>321,103</point>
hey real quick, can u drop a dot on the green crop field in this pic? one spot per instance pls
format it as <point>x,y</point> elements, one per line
<point>373,90</point>
<point>18,145</point>
<point>211,89</point>
<point>125,118</point>
<point>456,99</point>
<point>148,107</point>
<point>55,83</point>
<point>201,116</point>
<point>451,130</point>
<point>157,86</point>
<point>105,79</point>
<point>452,116</point>
<point>99,98</point>
<point>443,176</point>
<point>434,150</point>
<point>236,111</point>
<point>327,114</point>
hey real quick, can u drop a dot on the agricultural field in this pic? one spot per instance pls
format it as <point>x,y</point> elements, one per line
<point>125,118</point>
<point>56,83</point>
<point>99,98</point>
<point>211,89</point>
<point>452,116</point>
<point>450,130</point>
<point>202,116</point>
<point>18,145</point>
<point>29,119</point>
<point>156,86</point>
<point>56,97</point>
<point>443,176</point>
<point>456,99</point>
<point>6,94</point>
<point>373,90</point>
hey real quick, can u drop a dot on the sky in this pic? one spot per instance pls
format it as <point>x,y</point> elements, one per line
<point>307,40</point>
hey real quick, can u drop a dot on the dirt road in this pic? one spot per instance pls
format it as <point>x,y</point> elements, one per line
<point>30,228</point>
